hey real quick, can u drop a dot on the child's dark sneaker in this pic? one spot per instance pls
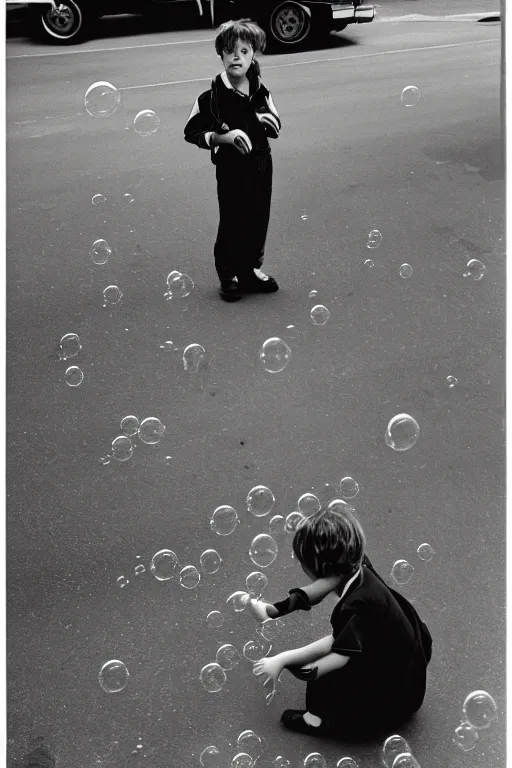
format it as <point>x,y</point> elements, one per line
<point>293,719</point>
<point>258,282</point>
<point>230,290</point>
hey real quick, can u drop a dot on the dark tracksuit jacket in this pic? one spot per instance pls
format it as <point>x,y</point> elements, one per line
<point>244,182</point>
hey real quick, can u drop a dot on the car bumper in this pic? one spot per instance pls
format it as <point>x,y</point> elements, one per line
<point>350,15</point>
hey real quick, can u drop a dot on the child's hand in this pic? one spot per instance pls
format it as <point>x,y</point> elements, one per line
<point>271,666</point>
<point>240,140</point>
<point>258,609</point>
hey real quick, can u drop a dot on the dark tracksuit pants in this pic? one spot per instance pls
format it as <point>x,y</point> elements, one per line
<point>244,190</point>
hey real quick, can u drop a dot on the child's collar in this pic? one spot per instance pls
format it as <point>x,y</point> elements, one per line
<point>349,582</point>
<point>254,82</point>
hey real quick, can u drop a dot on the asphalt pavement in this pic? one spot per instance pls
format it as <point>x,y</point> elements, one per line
<point>351,158</point>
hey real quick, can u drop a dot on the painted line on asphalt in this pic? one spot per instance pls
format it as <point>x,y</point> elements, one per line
<point>114,48</point>
<point>426,17</point>
<point>318,61</point>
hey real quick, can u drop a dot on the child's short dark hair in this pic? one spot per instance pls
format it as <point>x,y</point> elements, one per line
<point>330,543</point>
<point>245,30</point>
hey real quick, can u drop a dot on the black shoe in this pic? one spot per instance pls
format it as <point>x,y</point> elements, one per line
<point>258,282</point>
<point>294,721</point>
<point>230,290</point>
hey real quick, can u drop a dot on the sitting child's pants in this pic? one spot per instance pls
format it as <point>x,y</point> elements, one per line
<point>244,189</point>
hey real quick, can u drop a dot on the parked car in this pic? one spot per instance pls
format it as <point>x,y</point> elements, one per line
<point>287,22</point>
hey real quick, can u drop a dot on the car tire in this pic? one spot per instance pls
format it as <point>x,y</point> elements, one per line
<point>289,24</point>
<point>64,26</point>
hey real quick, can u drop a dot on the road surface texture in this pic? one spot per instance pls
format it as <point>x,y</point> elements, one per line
<point>351,158</point>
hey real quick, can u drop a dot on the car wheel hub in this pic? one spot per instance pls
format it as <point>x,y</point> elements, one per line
<point>289,23</point>
<point>61,18</point>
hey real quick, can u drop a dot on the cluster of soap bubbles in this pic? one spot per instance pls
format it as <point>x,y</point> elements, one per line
<point>102,100</point>
<point>479,710</point>
<point>149,431</point>
<point>69,347</point>
<point>396,753</point>
<point>164,565</point>
<point>402,570</point>
<point>249,747</point>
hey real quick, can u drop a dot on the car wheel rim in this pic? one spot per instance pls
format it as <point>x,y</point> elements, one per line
<point>290,23</point>
<point>61,20</point>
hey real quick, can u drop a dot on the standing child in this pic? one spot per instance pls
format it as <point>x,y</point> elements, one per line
<point>234,119</point>
<point>369,675</point>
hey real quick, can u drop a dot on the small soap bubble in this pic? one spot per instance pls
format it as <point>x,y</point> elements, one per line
<point>270,628</point>
<point>122,581</point>
<point>113,676</point>
<point>281,762</point>
<point>249,742</point>
<point>410,96</point>
<point>100,251</point>
<point>402,432</point>
<point>260,500</point>
<point>275,355</point>
<point>106,459</point>
<point>402,572</point>
<point>112,295</point>
<point>465,736</point>
<point>212,677</point>
<point>193,356</point>
<point>242,760</point>
<point>179,284</point>
<point>151,430</point>
<point>314,760</point>
<point>224,520</point>
<point>98,199</point>
<point>393,746</point>
<point>146,122</point>
<point>308,504</point>
<point>189,577</point>
<point>211,757</point>
<point>475,269</point>
<point>406,760</point>
<point>238,600</point>
<point>369,264</point>
<point>139,569</point>
<point>313,294</point>
<point>425,552</point>
<point>215,619</point>
<point>210,561</point>
<point>263,550</point>
<point>405,271</point>
<point>74,376</point>
<point>129,425</point>
<point>169,345</point>
<point>227,656</point>
<point>293,520</point>
<point>128,197</point>
<point>347,762</point>
<point>276,524</point>
<point>339,505</point>
<point>451,381</point>
<point>319,314</point>
<point>374,239</point>
<point>349,488</point>
<point>163,565</point>
<point>122,448</point>
<point>256,649</point>
<point>102,99</point>
<point>69,346</point>
<point>304,217</point>
<point>256,583</point>
<point>479,709</point>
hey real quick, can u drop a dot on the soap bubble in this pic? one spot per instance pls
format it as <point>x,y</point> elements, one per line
<point>112,295</point>
<point>369,263</point>
<point>319,314</point>
<point>263,550</point>
<point>130,425</point>
<point>179,284</point>
<point>293,520</point>
<point>256,583</point>
<point>227,656</point>
<point>146,122</point>
<point>74,376</point>
<point>349,488</point>
<point>405,271</point>
<point>164,564</point>
<point>128,197</point>
<point>260,500</point>
<point>210,561</point>
<point>402,432</point>
<point>139,569</point>
<point>314,760</point>
<point>451,381</point>
<point>425,552</point>
<point>313,294</point>
<point>98,199</point>
<point>270,628</point>
<point>242,760</point>
<point>250,742</point>
<point>122,448</point>
<point>308,504</point>
<point>151,430</point>
<point>102,99</point>
<point>276,524</point>
<point>339,505</point>
<point>215,619</point>
<point>189,577</point>
<point>347,762</point>
<point>122,581</point>
<point>212,677</point>
<point>113,676</point>
<point>410,96</point>
<point>402,572</point>
<point>479,709</point>
<point>224,520</point>
<point>374,239</point>
<point>275,355</point>
<point>256,649</point>
<point>193,356</point>
<point>238,600</point>
<point>393,746</point>
<point>211,757</point>
<point>405,760</point>
<point>69,346</point>
<point>281,762</point>
<point>100,251</point>
<point>475,269</point>
<point>466,736</point>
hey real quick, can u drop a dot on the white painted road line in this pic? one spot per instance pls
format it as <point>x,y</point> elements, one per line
<point>427,17</point>
<point>319,61</point>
